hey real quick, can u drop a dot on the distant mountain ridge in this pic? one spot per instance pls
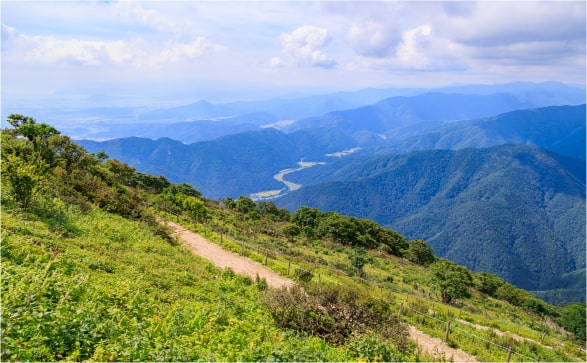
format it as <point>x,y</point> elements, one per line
<point>229,166</point>
<point>513,210</point>
<point>557,128</point>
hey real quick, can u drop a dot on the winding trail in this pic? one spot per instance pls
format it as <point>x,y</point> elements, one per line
<point>225,259</point>
<point>245,266</point>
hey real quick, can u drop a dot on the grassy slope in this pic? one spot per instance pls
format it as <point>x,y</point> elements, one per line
<point>399,280</point>
<point>101,287</point>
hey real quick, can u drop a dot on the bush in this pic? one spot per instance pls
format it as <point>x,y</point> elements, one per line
<point>303,275</point>
<point>335,313</point>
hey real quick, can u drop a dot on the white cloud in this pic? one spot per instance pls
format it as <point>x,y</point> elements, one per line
<point>374,38</point>
<point>303,46</point>
<point>411,53</point>
<point>50,50</point>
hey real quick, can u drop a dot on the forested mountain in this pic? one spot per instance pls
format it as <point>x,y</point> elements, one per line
<point>516,211</point>
<point>558,128</point>
<point>229,166</point>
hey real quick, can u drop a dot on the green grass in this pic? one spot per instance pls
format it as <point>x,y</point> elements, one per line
<point>407,279</point>
<point>102,287</point>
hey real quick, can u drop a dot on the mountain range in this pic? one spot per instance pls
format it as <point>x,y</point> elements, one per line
<point>487,179</point>
<point>515,210</point>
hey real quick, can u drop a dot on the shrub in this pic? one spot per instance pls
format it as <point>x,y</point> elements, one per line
<point>335,313</point>
<point>303,275</point>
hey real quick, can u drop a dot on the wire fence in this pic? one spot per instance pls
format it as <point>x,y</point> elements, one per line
<point>277,255</point>
<point>450,325</point>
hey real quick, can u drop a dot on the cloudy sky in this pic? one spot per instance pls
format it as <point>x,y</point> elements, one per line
<point>131,51</point>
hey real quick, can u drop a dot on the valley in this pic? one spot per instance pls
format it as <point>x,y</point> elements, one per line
<point>408,180</point>
<point>289,186</point>
<point>87,246</point>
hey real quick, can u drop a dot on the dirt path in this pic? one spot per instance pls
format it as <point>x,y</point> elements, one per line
<point>223,259</point>
<point>438,349</point>
<point>244,266</point>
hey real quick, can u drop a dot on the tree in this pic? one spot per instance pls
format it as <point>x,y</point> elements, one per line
<point>245,204</point>
<point>488,283</point>
<point>451,280</point>
<point>572,318</point>
<point>419,252</point>
<point>195,208</point>
<point>359,259</point>
<point>306,216</point>
<point>16,120</point>
<point>338,228</point>
<point>291,230</point>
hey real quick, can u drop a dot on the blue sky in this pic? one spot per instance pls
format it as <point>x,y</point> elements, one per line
<point>131,52</point>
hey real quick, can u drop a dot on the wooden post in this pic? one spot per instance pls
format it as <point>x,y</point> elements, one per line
<point>401,307</point>
<point>266,258</point>
<point>447,330</point>
<point>509,354</point>
<point>242,248</point>
<point>220,236</point>
<point>288,267</point>
<point>406,296</point>
<point>318,278</point>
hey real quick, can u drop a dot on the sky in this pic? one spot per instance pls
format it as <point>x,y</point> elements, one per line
<point>149,52</point>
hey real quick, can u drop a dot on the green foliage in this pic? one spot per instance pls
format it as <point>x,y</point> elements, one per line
<point>303,275</point>
<point>419,252</point>
<point>572,318</point>
<point>290,230</point>
<point>116,292</point>
<point>334,313</point>
<point>80,283</point>
<point>359,258</point>
<point>451,280</point>
<point>488,283</point>
<point>245,205</point>
<point>306,217</point>
<point>195,208</point>
<point>457,202</point>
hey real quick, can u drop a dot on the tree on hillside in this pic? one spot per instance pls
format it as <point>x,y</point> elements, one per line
<point>419,252</point>
<point>572,318</point>
<point>359,259</point>
<point>291,230</point>
<point>245,205</point>
<point>306,217</point>
<point>488,283</point>
<point>337,228</point>
<point>195,208</point>
<point>451,280</point>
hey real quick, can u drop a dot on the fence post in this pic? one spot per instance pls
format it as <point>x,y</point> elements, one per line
<point>509,354</point>
<point>318,278</point>
<point>242,248</point>
<point>399,314</point>
<point>288,267</point>
<point>447,330</point>
<point>266,258</point>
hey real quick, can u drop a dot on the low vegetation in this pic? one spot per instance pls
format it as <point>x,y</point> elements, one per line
<point>89,274</point>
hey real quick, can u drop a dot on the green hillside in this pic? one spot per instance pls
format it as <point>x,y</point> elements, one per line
<point>89,274</point>
<point>516,211</point>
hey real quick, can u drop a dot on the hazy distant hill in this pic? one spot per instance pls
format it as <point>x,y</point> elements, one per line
<point>399,117</point>
<point>516,211</point>
<point>559,128</point>
<point>229,166</point>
